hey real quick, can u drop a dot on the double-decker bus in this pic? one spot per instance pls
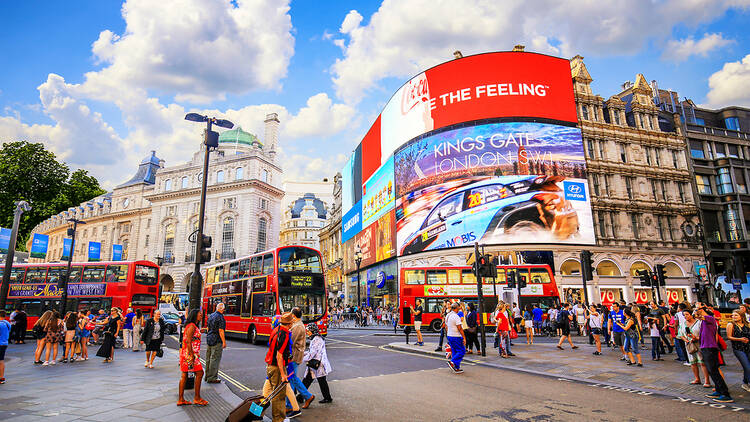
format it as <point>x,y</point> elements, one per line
<point>435,284</point>
<point>174,302</point>
<point>257,287</point>
<point>92,285</point>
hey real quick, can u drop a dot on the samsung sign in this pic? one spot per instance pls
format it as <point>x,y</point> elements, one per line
<point>351,224</point>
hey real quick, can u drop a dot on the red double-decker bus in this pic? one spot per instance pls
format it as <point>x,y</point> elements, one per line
<point>257,287</point>
<point>92,285</point>
<point>435,284</point>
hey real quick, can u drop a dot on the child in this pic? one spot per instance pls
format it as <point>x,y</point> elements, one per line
<point>655,338</point>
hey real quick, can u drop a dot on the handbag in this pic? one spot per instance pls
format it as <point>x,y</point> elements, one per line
<point>160,353</point>
<point>190,381</point>
<point>692,347</point>
<point>90,326</point>
<point>513,334</point>
<point>313,364</point>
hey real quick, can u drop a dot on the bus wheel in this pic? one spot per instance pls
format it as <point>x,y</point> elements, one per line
<point>436,324</point>
<point>252,335</point>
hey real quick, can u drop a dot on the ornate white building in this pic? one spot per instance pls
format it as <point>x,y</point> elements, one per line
<point>306,208</point>
<point>153,214</point>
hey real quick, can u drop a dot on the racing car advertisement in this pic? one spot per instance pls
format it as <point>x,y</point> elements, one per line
<point>495,183</point>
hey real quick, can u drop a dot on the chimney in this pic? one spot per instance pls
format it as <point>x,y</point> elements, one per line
<point>271,137</point>
<point>519,48</point>
<point>457,54</point>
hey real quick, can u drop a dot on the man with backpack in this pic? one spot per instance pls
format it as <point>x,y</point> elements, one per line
<point>278,356</point>
<point>564,317</point>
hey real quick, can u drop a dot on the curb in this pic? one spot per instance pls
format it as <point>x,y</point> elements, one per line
<point>611,385</point>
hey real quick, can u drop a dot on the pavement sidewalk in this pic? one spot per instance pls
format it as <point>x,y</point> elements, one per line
<point>94,391</point>
<point>669,378</point>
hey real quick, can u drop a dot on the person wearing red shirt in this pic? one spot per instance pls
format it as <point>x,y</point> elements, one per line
<point>503,329</point>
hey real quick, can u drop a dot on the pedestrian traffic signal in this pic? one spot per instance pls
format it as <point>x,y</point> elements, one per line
<point>512,279</point>
<point>587,265</point>
<point>204,255</point>
<point>521,281</point>
<point>661,275</point>
<point>490,269</point>
<point>645,278</point>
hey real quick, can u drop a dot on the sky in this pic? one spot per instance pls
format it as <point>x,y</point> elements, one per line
<point>102,82</point>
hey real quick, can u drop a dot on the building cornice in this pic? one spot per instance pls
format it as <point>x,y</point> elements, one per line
<point>217,188</point>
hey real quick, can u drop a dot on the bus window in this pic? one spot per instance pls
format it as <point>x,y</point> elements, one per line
<point>256,263</point>
<point>414,276</point>
<point>224,272</point>
<point>55,273</point>
<point>433,305</point>
<point>32,307</point>
<point>244,268</point>
<point>437,277</point>
<point>75,274</point>
<point>210,275</point>
<point>468,277</point>
<point>500,276</point>
<point>234,270</point>
<point>454,277</point>
<point>93,274</point>
<point>36,274</point>
<point>540,276</point>
<point>232,305</point>
<point>263,304</point>
<point>117,273</point>
<point>17,274</point>
<point>143,300</point>
<point>268,263</point>
<point>298,259</point>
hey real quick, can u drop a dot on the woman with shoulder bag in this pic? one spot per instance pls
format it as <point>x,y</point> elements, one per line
<point>190,353</point>
<point>71,321</point>
<point>471,330</point>
<point>691,336</point>
<point>595,325</point>
<point>631,337</point>
<point>528,323</point>
<point>738,332</point>
<point>318,366</point>
<point>85,333</point>
<point>40,333</point>
<point>152,336</point>
<point>112,327</point>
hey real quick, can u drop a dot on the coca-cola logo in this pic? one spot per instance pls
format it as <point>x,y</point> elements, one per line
<point>415,92</point>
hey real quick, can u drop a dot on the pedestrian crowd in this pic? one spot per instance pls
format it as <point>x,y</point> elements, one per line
<point>362,316</point>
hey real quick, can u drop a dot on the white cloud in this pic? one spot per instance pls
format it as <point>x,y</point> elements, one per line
<point>304,167</point>
<point>681,50</point>
<point>729,86</point>
<point>405,37</point>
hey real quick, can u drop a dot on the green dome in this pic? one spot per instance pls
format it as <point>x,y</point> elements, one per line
<point>239,136</point>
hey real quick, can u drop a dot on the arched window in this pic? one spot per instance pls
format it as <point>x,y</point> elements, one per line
<point>608,268</point>
<point>238,173</point>
<point>169,243</point>
<point>638,266</point>
<point>227,237</point>
<point>570,267</point>
<point>184,182</point>
<point>168,184</point>
<point>220,176</point>
<point>262,229</point>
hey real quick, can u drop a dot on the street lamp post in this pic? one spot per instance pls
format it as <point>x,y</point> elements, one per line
<point>21,207</point>
<point>210,140</point>
<point>358,261</point>
<point>66,279</point>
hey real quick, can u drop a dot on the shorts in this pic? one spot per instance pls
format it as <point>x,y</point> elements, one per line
<point>69,335</point>
<point>596,331</point>
<point>695,358</point>
<point>528,323</point>
<point>617,337</point>
<point>517,320</point>
<point>2,352</point>
<point>537,324</point>
<point>418,325</point>
<point>565,328</point>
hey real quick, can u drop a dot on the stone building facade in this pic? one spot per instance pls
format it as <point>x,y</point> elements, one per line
<point>305,207</point>
<point>153,214</point>
<point>331,248</point>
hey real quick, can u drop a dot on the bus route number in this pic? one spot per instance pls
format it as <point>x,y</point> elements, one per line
<point>301,281</point>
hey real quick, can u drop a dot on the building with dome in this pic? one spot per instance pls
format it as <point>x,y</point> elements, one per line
<point>154,212</point>
<point>306,208</point>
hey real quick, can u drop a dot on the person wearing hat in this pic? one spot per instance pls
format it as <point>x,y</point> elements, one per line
<point>277,358</point>
<point>318,365</point>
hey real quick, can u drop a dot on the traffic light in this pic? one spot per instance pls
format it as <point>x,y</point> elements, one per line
<point>645,278</point>
<point>511,279</point>
<point>204,255</point>
<point>587,265</point>
<point>521,281</point>
<point>661,275</point>
<point>490,270</point>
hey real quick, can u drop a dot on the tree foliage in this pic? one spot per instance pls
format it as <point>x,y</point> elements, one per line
<point>31,173</point>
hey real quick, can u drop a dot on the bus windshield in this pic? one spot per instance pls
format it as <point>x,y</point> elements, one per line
<point>146,275</point>
<point>295,259</point>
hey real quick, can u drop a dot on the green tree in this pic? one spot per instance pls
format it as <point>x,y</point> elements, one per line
<point>31,173</point>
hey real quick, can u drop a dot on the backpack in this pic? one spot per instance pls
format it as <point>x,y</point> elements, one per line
<point>286,347</point>
<point>562,316</point>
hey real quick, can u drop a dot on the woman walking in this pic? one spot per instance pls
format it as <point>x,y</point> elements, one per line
<point>631,337</point>
<point>137,326</point>
<point>112,326</point>
<point>738,332</point>
<point>690,334</point>
<point>71,321</point>
<point>40,333</point>
<point>471,331</point>
<point>503,329</point>
<point>318,366</point>
<point>190,353</point>
<point>153,335</point>
<point>595,325</point>
<point>528,324</point>
<point>52,339</point>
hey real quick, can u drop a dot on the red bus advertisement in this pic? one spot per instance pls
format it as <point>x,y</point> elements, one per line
<point>257,287</point>
<point>92,285</point>
<point>435,284</point>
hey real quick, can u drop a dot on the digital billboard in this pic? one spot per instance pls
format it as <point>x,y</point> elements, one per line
<point>378,194</point>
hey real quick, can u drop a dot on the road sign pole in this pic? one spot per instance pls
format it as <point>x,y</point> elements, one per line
<point>481,299</point>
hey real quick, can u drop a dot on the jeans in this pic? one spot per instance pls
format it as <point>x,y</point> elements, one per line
<point>744,358</point>
<point>442,336</point>
<point>679,346</point>
<point>213,358</point>
<point>655,352</point>
<point>711,360</point>
<point>457,350</point>
<point>127,338</point>
<point>472,340</point>
<point>296,383</point>
<point>631,344</point>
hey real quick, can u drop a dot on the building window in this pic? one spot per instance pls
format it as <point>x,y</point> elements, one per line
<point>602,226</point>
<point>721,151</point>
<point>220,176</point>
<point>601,150</point>
<point>605,185</point>
<point>145,242</point>
<point>230,203</point>
<point>264,175</point>
<point>659,227</point>
<point>653,190</point>
<point>648,155</point>
<point>616,113</point>
<point>710,155</point>
<point>585,112</point>
<point>168,185</point>
<point>669,227</point>
<point>172,210</point>
<point>613,222</point>
<point>623,155</point>
<point>675,160</point>
<point>263,204</point>
<point>696,149</point>
<point>732,123</point>
<point>634,225</point>
<point>169,243</point>
<point>732,223</point>
<point>238,174</point>
<point>700,122</point>
<point>664,191</point>
<point>628,186</point>
<point>590,145</point>
<point>724,181</point>
<point>262,230</point>
<point>595,183</point>
<point>733,153</point>
<point>656,155</point>
<point>739,180</point>
<point>184,182</point>
<point>227,237</point>
<point>681,190</point>
<point>703,183</point>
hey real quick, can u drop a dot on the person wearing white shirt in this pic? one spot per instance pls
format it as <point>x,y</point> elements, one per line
<point>456,338</point>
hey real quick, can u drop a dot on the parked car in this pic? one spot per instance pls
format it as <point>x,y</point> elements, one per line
<point>172,320</point>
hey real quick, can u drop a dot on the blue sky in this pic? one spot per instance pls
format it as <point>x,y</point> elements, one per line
<point>103,82</point>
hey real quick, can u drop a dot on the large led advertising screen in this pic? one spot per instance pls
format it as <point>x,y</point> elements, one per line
<point>483,148</point>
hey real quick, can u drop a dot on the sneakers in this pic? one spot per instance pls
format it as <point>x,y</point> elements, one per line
<point>45,363</point>
<point>746,387</point>
<point>145,364</point>
<point>438,349</point>
<point>596,353</point>
<point>723,399</point>
<point>291,414</point>
<point>452,366</point>
<point>713,395</point>
<point>52,362</point>
<point>459,371</point>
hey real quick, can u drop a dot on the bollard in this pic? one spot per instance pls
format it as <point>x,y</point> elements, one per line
<point>407,330</point>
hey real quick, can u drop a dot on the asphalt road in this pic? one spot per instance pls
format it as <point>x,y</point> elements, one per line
<point>370,383</point>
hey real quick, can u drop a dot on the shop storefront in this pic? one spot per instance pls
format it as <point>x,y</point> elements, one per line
<point>677,295</point>
<point>382,284</point>
<point>572,295</point>
<point>643,295</point>
<point>610,295</point>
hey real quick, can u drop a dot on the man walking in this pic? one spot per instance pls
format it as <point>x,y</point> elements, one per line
<point>446,309</point>
<point>299,339</point>
<point>710,352</point>
<point>456,338</point>
<point>616,321</point>
<point>564,317</point>
<point>4,336</point>
<point>216,343</point>
<point>277,358</point>
<point>127,330</point>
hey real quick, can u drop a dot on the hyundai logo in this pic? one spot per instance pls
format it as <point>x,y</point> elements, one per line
<point>574,188</point>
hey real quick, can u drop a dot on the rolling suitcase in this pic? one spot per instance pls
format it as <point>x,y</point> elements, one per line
<point>258,403</point>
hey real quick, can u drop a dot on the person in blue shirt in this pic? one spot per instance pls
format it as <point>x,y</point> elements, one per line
<point>538,312</point>
<point>127,330</point>
<point>617,333</point>
<point>4,335</point>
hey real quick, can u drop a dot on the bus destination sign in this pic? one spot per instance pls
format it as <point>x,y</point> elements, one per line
<point>301,281</point>
<point>51,290</point>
